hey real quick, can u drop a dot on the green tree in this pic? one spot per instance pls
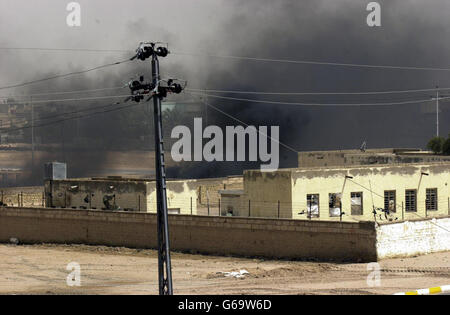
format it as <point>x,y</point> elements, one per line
<point>436,144</point>
<point>446,146</point>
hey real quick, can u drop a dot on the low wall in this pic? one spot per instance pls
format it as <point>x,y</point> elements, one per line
<point>23,196</point>
<point>274,238</point>
<point>412,238</point>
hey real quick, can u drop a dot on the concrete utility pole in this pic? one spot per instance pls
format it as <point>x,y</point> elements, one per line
<point>164,262</point>
<point>437,111</point>
<point>438,97</point>
<point>32,134</point>
<point>158,92</point>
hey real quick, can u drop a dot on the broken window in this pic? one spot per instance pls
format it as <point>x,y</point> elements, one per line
<point>431,199</point>
<point>390,201</point>
<point>411,200</point>
<point>335,204</point>
<point>312,202</point>
<point>357,203</point>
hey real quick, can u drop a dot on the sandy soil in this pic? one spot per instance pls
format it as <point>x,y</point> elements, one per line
<point>41,269</point>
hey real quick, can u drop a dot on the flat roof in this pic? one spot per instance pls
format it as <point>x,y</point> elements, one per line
<point>375,150</point>
<point>344,167</point>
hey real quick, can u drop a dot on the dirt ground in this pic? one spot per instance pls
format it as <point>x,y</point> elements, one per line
<point>41,269</point>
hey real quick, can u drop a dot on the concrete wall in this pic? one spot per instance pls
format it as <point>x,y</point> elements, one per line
<point>264,190</point>
<point>273,238</point>
<point>208,188</point>
<point>181,194</point>
<point>214,235</point>
<point>413,238</point>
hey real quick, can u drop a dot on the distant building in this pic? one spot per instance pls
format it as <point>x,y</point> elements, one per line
<point>367,157</point>
<point>11,177</point>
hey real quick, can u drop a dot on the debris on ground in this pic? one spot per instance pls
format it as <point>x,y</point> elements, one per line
<point>235,274</point>
<point>14,241</point>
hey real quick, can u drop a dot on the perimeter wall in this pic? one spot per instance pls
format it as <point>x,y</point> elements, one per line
<point>250,237</point>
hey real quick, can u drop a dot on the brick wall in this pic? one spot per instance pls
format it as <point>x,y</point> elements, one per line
<point>294,239</point>
<point>24,196</point>
<point>412,238</point>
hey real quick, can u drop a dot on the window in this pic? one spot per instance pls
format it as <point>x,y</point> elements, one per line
<point>357,203</point>
<point>312,204</point>
<point>335,204</point>
<point>174,211</point>
<point>431,199</point>
<point>411,200</point>
<point>390,202</point>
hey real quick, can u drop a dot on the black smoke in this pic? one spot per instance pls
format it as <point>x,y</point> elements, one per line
<point>413,33</point>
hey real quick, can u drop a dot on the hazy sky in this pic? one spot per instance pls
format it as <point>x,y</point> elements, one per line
<point>413,33</point>
<point>107,24</point>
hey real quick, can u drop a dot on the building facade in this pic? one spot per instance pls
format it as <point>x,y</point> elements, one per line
<point>184,196</point>
<point>390,192</point>
<point>120,194</point>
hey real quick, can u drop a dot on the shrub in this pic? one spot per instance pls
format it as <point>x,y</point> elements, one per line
<point>446,146</point>
<point>436,144</point>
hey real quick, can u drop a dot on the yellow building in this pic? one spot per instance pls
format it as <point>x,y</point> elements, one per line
<point>349,193</point>
<point>367,157</point>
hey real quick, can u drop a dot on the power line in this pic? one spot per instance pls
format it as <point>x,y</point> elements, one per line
<point>378,195</point>
<point>72,99</point>
<point>413,212</point>
<point>16,121</point>
<point>289,61</point>
<point>245,124</point>
<point>68,100</point>
<point>312,104</point>
<point>66,49</point>
<point>231,92</point>
<point>64,92</point>
<point>314,93</point>
<point>309,62</point>
<point>64,75</point>
<point>76,117</point>
<point>70,113</point>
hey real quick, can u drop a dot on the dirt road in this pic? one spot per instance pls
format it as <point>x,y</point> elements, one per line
<point>41,269</point>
